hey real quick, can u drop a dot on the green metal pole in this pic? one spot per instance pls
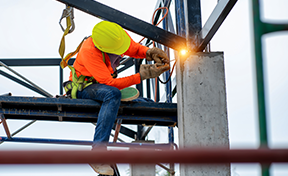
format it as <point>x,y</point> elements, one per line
<point>259,30</point>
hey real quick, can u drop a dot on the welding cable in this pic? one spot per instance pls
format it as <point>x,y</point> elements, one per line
<point>159,21</point>
<point>164,16</point>
<point>156,79</point>
<point>169,75</point>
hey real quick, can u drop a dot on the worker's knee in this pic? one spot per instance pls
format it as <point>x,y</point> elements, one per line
<point>117,94</point>
<point>114,93</point>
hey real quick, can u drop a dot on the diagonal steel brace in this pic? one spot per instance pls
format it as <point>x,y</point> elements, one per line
<point>3,120</point>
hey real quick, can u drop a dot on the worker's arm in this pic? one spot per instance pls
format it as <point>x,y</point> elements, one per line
<point>94,64</point>
<point>136,50</point>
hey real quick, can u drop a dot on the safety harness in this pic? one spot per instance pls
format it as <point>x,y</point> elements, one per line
<point>78,83</point>
<point>81,82</point>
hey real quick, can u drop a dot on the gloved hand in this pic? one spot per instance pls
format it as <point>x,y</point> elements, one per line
<point>152,70</point>
<point>157,55</point>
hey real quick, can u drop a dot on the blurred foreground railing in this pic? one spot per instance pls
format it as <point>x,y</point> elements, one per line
<point>140,156</point>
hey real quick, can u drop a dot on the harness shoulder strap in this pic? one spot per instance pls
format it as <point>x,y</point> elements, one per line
<point>103,57</point>
<point>65,60</point>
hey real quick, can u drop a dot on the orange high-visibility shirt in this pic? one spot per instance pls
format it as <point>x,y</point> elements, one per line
<point>89,62</point>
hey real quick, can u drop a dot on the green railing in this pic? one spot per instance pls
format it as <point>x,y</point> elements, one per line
<point>261,28</point>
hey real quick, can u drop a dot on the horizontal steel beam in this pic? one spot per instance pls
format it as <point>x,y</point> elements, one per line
<point>127,64</point>
<point>84,110</point>
<point>35,62</point>
<point>141,156</point>
<point>78,142</point>
<point>128,22</point>
<point>215,20</point>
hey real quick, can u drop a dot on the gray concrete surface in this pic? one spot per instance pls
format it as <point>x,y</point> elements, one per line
<point>142,169</point>
<point>202,111</point>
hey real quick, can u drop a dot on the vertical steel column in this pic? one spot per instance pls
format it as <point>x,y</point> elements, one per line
<point>180,18</point>
<point>137,67</point>
<point>193,22</point>
<point>168,85</point>
<point>148,90</point>
<point>140,89</point>
<point>158,92</point>
<point>181,30</point>
<point>166,49</point>
<point>60,80</point>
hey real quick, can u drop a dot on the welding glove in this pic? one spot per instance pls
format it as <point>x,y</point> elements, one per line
<point>157,55</point>
<point>152,70</point>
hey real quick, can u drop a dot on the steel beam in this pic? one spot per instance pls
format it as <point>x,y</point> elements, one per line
<point>81,110</point>
<point>126,131</point>
<point>128,22</point>
<point>20,129</point>
<point>215,20</point>
<point>126,63</point>
<point>21,82</point>
<point>78,142</point>
<point>191,156</point>
<point>180,18</point>
<point>35,62</point>
<point>5,125</point>
<point>53,62</point>
<point>192,22</point>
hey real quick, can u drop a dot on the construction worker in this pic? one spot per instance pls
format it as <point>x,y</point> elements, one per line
<point>98,57</point>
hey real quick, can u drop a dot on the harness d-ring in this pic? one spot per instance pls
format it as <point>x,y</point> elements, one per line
<point>68,13</point>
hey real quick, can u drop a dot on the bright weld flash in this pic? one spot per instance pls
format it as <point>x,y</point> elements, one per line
<point>183,52</point>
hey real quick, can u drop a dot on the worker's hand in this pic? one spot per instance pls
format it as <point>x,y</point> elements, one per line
<point>152,70</point>
<point>157,55</point>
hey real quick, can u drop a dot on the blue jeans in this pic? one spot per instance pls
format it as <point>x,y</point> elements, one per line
<point>110,98</point>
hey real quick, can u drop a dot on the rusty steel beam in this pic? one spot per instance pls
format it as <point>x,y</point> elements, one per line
<point>191,156</point>
<point>5,125</point>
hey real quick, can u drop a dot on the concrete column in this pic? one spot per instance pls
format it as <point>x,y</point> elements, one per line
<point>202,112</point>
<point>142,169</point>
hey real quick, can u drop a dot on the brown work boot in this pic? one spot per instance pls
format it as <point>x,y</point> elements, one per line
<point>103,169</point>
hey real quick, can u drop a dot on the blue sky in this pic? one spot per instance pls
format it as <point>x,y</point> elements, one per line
<point>30,29</point>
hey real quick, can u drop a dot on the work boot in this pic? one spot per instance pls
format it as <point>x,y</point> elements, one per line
<point>103,169</point>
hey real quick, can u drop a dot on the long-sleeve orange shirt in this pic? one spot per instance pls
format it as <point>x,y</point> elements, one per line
<point>89,62</point>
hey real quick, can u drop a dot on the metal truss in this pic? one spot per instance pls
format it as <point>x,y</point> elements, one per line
<point>189,34</point>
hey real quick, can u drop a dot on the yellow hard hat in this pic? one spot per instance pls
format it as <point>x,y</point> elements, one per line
<point>109,37</point>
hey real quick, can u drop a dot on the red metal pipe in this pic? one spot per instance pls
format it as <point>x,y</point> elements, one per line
<point>192,156</point>
<point>117,130</point>
<point>5,125</point>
